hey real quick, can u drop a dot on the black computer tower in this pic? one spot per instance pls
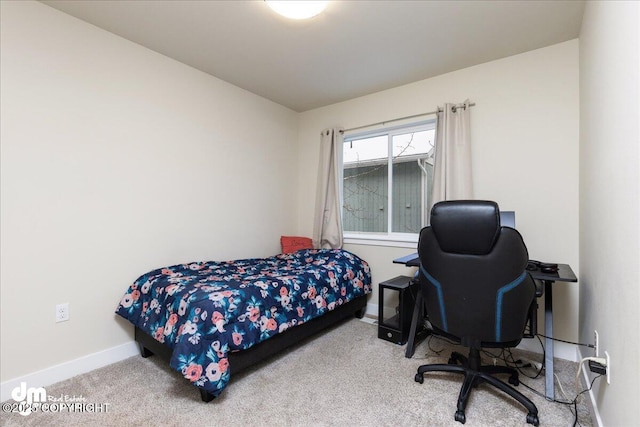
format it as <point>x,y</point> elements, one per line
<point>394,323</point>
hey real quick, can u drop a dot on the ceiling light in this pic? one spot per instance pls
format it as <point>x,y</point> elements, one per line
<point>297,9</point>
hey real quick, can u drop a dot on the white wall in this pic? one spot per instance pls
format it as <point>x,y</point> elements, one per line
<point>525,154</point>
<point>117,160</point>
<point>609,203</point>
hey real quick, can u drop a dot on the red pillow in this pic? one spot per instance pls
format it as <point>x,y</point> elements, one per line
<point>295,243</point>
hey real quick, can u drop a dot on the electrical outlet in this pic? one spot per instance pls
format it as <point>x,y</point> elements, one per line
<point>597,342</point>
<point>62,312</point>
<point>606,355</point>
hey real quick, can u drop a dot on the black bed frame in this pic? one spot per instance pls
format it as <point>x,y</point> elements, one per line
<point>241,360</point>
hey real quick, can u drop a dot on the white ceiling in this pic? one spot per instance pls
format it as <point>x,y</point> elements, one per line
<point>352,49</point>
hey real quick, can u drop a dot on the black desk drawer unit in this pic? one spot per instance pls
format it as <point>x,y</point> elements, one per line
<point>394,325</point>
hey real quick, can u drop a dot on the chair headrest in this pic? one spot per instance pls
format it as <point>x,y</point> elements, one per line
<point>466,226</point>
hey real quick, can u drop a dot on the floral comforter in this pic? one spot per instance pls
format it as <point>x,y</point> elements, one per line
<point>204,310</point>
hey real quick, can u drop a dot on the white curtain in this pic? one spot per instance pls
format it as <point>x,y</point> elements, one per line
<point>452,162</point>
<point>327,225</point>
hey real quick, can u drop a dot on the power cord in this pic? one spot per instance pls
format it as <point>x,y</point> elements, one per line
<point>601,361</point>
<point>565,341</point>
<point>509,360</point>
<point>506,356</point>
<point>437,352</point>
<point>518,364</point>
<point>569,402</point>
<point>573,402</point>
<point>432,352</point>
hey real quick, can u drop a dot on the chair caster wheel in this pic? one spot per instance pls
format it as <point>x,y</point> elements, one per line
<point>513,380</point>
<point>533,419</point>
<point>419,378</point>
<point>460,417</point>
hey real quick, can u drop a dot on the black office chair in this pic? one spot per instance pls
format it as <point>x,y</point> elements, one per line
<point>477,292</point>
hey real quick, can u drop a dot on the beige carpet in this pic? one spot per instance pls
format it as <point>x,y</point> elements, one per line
<point>344,377</point>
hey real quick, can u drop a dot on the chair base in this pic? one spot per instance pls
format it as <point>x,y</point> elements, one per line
<point>474,375</point>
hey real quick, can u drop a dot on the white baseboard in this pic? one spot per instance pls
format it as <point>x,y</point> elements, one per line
<point>70,369</point>
<point>372,309</point>
<point>593,406</point>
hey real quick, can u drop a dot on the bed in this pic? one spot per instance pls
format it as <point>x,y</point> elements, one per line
<point>213,318</point>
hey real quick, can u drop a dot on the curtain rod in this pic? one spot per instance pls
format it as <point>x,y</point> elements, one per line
<point>471,104</point>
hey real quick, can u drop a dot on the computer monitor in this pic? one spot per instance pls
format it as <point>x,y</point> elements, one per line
<point>508,219</point>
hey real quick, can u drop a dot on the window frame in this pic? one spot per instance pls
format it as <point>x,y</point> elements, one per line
<point>388,238</point>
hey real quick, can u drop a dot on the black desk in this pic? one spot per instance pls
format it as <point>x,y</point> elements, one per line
<point>411,260</point>
<point>564,274</point>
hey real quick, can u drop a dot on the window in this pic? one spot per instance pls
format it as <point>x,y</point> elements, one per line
<point>386,182</point>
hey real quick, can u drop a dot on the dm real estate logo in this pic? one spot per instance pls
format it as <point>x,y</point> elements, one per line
<point>31,399</point>
<point>27,398</point>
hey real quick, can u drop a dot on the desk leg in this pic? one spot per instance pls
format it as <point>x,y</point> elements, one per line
<point>548,331</point>
<point>418,331</point>
<point>417,317</point>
